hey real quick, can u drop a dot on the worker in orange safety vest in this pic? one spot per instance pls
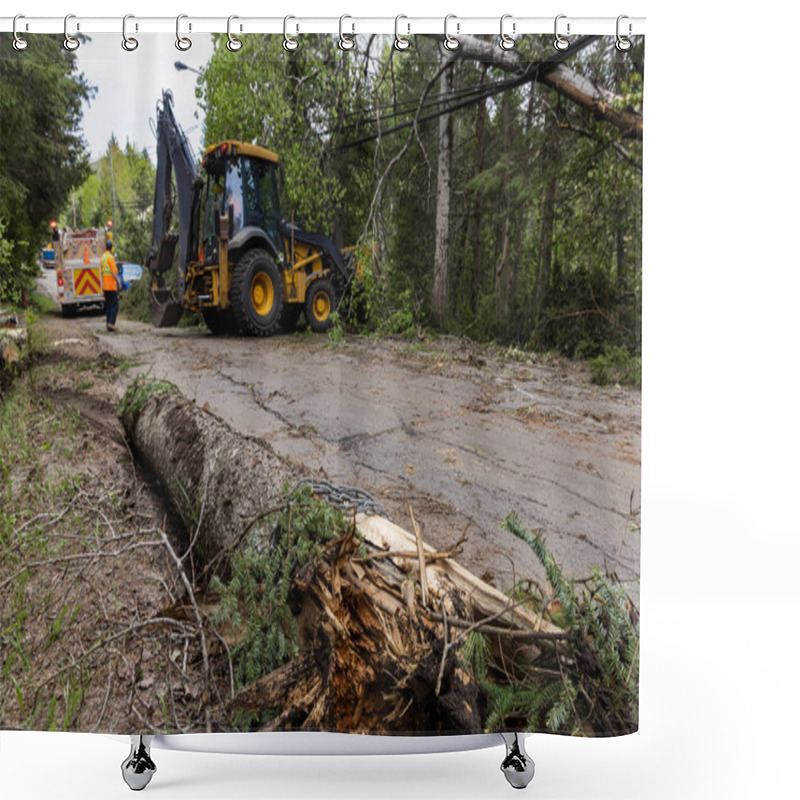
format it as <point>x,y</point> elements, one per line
<point>111,286</point>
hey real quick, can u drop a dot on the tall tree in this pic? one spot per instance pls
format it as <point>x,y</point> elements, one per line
<point>441,256</point>
<point>119,188</point>
<point>42,153</point>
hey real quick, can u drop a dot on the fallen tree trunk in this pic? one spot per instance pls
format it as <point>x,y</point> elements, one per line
<point>370,651</point>
<point>218,480</point>
<point>601,102</point>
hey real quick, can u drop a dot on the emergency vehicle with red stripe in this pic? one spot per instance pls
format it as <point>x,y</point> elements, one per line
<point>78,269</point>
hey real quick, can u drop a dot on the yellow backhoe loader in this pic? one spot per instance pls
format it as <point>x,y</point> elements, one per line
<point>241,265</point>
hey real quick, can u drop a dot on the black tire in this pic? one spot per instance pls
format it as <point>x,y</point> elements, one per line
<point>257,294</point>
<point>69,312</point>
<point>289,316</point>
<point>320,304</point>
<point>219,322</point>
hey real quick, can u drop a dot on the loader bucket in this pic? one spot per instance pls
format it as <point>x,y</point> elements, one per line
<point>165,310</point>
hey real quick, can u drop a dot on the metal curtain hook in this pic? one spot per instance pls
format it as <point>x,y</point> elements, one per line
<point>129,43</point>
<point>506,42</point>
<point>401,42</point>
<point>346,41</point>
<point>233,44</point>
<point>19,43</point>
<point>450,42</point>
<point>70,42</point>
<point>560,42</point>
<point>623,42</point>
<point>289,42</point>
<point>183,43</point>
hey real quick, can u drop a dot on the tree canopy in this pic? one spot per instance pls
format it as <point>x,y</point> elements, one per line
<point>42,153</point>
<point>119,188</point>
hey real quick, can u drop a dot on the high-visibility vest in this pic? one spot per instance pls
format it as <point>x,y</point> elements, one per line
<point>109,281</point>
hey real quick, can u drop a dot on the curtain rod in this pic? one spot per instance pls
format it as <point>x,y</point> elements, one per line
<point>352,25</point>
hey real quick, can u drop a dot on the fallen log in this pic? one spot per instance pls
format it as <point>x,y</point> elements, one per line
<point>377,618</point>
<point>218,480</point>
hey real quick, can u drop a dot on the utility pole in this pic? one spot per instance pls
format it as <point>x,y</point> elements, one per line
<point>74,212</point>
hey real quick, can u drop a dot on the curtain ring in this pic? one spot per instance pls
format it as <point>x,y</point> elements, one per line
<point>129,43</point>
<point>623,42</point>
<point>450,42</point>
<point>183,43</point>
<point>289,42</point>
<point>70,42</point>
<point>560,42</point>
<point>346,41</point>
<point>401,42</point>
<point>506,42</point>
<point>19,43</point>
<point>233,44</point>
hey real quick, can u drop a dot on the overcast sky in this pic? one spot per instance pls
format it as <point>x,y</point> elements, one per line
<point>130,84</point>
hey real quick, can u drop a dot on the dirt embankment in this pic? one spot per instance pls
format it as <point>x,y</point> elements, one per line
<point>86,582</point>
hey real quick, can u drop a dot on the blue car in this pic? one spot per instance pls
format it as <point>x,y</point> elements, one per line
<point>128,273</point>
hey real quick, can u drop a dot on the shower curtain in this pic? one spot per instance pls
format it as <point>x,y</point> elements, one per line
<point>382,474</point>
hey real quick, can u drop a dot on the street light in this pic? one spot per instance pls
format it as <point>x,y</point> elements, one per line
<point>180,66</point>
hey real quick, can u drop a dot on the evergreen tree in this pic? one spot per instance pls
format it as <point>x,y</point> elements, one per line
<point>42,154</point>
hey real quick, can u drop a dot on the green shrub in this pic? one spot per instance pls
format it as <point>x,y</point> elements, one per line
<point>254,600</point>
<point>593,685</point>
<point>616,365</point>
<point>134,302</point>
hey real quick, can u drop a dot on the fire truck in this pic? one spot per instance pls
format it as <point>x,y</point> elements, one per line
<point>80,282</point>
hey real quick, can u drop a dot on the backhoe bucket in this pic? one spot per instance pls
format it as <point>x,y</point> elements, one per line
<point>165,310</point>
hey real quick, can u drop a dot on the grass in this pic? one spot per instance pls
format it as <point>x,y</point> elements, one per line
<point>140,391</point>
<point>32,434</point>
<point>43,303</point>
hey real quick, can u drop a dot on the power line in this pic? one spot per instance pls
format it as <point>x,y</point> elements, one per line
<point>534,72</point>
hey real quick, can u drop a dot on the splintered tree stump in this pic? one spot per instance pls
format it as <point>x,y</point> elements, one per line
<point>363,668</point>
<point>218,480</point>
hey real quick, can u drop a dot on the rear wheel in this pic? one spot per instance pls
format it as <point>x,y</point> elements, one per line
<point>69,311</point>
<point>320,304</point>
<point>257,294</point>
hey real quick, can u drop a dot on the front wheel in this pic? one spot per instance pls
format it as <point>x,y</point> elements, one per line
<point>257,294</point>
<point>320,304</point>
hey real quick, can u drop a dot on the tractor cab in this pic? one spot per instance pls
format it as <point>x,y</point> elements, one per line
<point>242,181</point>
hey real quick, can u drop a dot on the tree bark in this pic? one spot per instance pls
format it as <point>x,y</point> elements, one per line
<point>480,121</point>
<point>622,261</point>
<point>601,102</point>
<point>217,480</point>
<point>546,226</point>
<point>504,269</point>
<point>440,276</point>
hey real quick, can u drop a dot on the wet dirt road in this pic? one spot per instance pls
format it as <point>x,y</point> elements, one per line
<point>460,432</point>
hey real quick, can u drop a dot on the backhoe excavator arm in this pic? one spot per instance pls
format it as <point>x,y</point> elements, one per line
<point>174,158</point>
